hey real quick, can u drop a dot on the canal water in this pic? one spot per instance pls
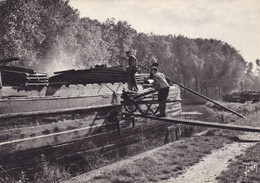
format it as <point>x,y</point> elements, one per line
<point>204,113</point>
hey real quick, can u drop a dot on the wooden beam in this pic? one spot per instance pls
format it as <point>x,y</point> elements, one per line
<point>32,131</point>
<point>200,123</point>
<point>51,139</point>
<point>76,136</point>
<point>33,113</point>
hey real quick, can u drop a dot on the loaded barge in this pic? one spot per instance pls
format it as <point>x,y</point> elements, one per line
<point>67,118</point>
<point>26,92</point>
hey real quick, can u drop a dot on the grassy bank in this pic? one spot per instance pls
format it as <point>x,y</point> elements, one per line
<point>160,163</point>
<point>245,109</point>
<point>244,169</point>
<point>174,158</point>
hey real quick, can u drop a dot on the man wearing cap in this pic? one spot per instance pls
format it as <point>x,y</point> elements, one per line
<point>132,69</point>
<point>162,86</point>
<point>154,63</point>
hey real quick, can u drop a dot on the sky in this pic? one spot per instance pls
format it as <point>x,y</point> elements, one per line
<point>236,22</point>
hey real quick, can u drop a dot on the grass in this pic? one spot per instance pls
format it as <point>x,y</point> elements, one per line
<point>158,164</point>
<point>47,173</point>
<point>245,109</point>
<point>246,167</point>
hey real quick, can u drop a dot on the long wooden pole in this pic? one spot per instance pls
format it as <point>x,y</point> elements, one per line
<point>200,95</point>
<point>200,123</point>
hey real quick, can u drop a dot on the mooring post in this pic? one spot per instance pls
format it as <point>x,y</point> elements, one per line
<point>133,122</point>
<point>118,127</point>
<point>1,85</point>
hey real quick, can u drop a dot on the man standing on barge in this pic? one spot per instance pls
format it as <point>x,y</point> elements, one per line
<point>162,86</point>
<point>132,69</point>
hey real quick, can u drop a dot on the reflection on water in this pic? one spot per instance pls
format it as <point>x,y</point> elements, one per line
<point>208,114</point>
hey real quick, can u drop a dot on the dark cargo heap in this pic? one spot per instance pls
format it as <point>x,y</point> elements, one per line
<point>89,76</point>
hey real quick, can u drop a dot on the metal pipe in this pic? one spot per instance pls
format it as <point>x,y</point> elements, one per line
<point>200,95</point>
<point>200,123</point>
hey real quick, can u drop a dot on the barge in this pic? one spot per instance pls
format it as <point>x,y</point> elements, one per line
<point>25,93</point>
<point>90,97</point>
<point>72,116</point>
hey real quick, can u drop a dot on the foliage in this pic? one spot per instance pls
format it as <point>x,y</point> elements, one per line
<point>49,36</point>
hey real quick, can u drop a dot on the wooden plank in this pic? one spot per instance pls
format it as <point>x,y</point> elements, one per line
<point>48,140</point>
<point>106,138</point>
<point>26,132</point>
<point>56,111</point>
<point>155,101</point>
<point>36,84</point>
<point>124,141</point>
<point>200,123</point>
<point>62,72</point>
<point>16,72</point>
<point>75,137</point>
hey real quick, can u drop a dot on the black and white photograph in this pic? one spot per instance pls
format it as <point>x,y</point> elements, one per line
<point>129,91</point>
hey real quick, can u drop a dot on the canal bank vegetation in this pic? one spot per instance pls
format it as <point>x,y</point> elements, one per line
<point>247,108</point>
<point>172,160</point>
<point>50,35</point>
<point>158,164</point>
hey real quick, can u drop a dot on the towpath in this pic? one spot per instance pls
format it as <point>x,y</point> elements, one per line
<point>210,166</point>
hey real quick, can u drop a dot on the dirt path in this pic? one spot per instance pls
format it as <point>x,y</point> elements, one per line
<point>211,165</point>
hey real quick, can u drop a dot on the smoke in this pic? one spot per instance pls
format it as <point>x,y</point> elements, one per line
<point>70,52</point>
<point>55,65</point>
<point>60,58</point>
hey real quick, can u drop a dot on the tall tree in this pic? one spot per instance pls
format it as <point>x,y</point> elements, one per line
<point>21,32</point>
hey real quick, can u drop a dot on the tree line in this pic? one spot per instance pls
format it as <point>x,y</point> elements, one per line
<point>49,35</point>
